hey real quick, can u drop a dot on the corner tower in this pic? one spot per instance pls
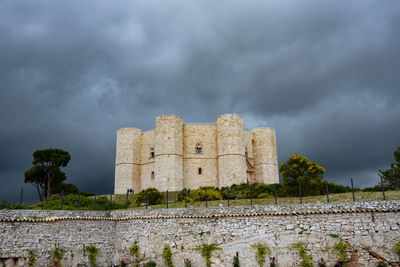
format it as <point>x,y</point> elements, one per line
<point>231,150</point>
<point>127,163</point>
<point>265,155</point>
<point>169,153</point>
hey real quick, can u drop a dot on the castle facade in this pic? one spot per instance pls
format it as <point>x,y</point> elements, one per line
<point>175,155</point>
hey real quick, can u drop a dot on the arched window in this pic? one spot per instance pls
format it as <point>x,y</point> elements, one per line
<point>151,152</point>
<point>200,170</point>
<point>198,149</point>
<point>152,175</point>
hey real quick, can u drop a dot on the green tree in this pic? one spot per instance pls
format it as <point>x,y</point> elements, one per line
<point>392,176</point>
<point>299,169</point>
<point>46,173</point>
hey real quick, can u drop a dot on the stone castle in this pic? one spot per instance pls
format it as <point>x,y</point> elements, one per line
<point>175,155</point>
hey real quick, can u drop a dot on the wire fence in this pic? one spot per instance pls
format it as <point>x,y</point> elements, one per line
<point>207,198</point>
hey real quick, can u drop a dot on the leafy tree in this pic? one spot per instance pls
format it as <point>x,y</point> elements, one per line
<point>46,173</point>
<point>299,169</point>
<point>392,176</point>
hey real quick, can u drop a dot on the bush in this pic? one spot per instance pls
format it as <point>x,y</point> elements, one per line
<point>150,264</point>
<point>153,197</point>
<point>70,202</point>
<point>200,194</point>
<point>5,204</point>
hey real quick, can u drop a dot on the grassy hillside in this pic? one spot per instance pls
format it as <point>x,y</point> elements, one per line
<point>343,197</point>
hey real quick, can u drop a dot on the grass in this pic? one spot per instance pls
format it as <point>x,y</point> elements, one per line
<point>343,197</point>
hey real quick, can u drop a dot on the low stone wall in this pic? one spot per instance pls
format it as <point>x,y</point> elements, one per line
<point>370,228</point>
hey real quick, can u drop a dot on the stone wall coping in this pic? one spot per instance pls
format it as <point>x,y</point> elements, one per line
<point>202,213</point>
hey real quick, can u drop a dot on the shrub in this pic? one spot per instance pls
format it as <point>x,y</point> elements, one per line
<point>167,256</point>
<point>5,204</point>
<point>70,202</point>
<point>200,194</point>
<point>153,197</point>
<point>262,250</point>
<point>150,264</point>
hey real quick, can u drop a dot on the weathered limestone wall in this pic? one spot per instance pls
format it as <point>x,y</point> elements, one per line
<point>265,155</point>
<point>231,150</point>
<point>230,154</point>
<point>169,153</point>
<point>250,171</point>
<point>127,163</point>
<point>148,165</point>
<point>205,135</point>
<point>366,226</point>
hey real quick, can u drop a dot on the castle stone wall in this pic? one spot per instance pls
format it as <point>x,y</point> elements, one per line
<point>230,155</point>
<point>148,162</point>
<point>205,135</point>
<point>370,228</point>
<point>169,153</point>
<point>265,155</point>
<point>127,164</point>
<point>231,150</point>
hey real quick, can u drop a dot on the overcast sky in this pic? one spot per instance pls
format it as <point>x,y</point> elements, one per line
<point>325,74</point>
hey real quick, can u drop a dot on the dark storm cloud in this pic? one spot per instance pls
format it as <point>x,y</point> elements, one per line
<point>324,74</point>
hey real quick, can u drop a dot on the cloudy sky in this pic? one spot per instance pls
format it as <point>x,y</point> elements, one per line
<point>325,74</point>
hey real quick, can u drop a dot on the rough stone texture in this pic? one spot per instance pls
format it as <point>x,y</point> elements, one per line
<point>230,154</point>
<point>204,134</point>
<point>265,155</point>
<point>231,150</point>
<point>169,153</point>
<point>147,163</point>
<point>372,226</point>
<point>127,165</point>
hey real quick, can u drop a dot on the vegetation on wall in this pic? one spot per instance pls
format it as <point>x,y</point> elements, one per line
<point>31,259</point>
<point>150,264</point>
<point>167,256</point>
<point>206,250</point>
<point>341,251</point>
<point>261,251</point>
<point>396,249</point>
<point>92,250</point>
<point>236,262</point>
<point>58,255</point>
<point>306,259</point>
<point>134,251</point>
